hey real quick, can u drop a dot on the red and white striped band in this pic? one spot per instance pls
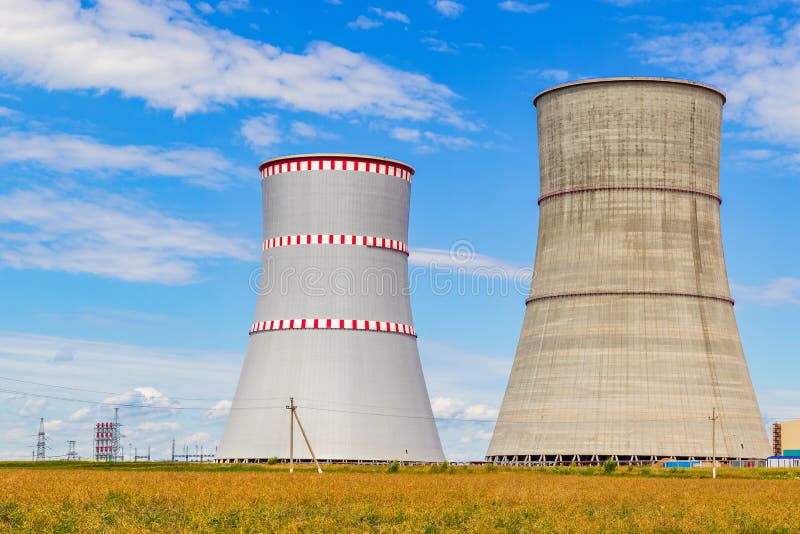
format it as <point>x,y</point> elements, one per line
<point>332,324</point>
<point>554,194</point>
<point>337,163</point>
<point>336,239</point>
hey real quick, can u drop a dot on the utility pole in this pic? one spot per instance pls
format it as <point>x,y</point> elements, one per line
<point>292,416</point>
<point>713,419</point>
<point>173,449</point>
<point>41,442</point>
<point>291,409</point>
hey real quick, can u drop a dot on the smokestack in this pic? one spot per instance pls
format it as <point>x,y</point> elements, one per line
<point>629,340</point>
<point>333,325</point>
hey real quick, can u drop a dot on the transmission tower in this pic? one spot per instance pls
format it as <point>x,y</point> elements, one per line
<point>71,454</point>
<point>115,435</point>
<point>41,442</point>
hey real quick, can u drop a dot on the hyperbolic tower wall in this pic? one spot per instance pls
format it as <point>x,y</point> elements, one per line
<point>629,338</point>
<point>333,325</point>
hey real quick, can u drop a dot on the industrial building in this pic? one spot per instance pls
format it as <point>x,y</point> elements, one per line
<point>786,438</point>
<point>629,346</point>
<point>333,334</point>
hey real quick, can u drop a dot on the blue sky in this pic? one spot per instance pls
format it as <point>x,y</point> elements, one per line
<point>131,131</point>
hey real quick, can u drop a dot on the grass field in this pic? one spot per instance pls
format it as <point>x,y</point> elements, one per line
<point>64,497</point>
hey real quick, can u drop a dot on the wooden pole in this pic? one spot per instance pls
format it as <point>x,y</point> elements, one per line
<point>714,442</point>
<point>308,444</point>
<point>291,436</point>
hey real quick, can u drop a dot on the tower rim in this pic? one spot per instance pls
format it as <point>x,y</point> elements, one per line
<point>336,155</point>
<point>617,79</point>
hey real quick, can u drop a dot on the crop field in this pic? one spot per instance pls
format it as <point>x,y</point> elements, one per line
<point>85,497</point>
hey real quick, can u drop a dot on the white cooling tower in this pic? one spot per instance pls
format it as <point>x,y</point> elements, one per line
<point>333,326</point>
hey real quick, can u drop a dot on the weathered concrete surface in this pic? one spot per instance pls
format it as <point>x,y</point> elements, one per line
<point>629,339</point>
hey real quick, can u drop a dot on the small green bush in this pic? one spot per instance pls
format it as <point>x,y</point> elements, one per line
<point>491,468</point>
<point>272,460</point>
<point>609,466</point>
<point>394,467</point>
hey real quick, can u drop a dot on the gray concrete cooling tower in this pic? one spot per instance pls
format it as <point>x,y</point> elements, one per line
<point>629,341</point>
<point>333,326</point>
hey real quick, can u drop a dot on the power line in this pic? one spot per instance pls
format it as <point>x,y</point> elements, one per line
<point>276,407</point>
<point>93,390</point>
<point>198,408</point>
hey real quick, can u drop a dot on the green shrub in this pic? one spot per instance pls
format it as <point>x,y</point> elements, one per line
<point>609,466</point>
<point>491,468</point>
<point>394,467</point>
<point>272,460</point>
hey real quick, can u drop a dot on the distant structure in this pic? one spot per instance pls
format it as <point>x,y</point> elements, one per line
<point>72,454</point>
<point>199,454</point>
<point>333,326</point>
<point>629,341</point>
<point>107,436</point>
<point>786,438</point>
<point>141,457</point>
<point>41,442</point>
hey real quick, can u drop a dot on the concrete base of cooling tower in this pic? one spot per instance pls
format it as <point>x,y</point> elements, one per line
<point>629,376</point>
<point>361,397</point>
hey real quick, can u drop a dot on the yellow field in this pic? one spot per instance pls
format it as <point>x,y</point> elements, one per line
<point>259,499</point>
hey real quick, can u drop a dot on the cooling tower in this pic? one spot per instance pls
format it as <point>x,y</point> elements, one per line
<point>629,340</point>
<point>333,326</point>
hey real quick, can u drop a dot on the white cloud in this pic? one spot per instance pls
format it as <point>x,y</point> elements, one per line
<point>779,404</point>
<point>756,154</point>
<point>66,153</point>
<point>7,112</point>
<point>264,133</point>
<point>406,134</point>
<point>557,75</point>
<point>106,235</point>
<point>453,142</point>
<point>229,6</point>
<point>33,407</point>
<point>141,396</point>
<point>219,410</point>
<point>204,7</point>
<point>54,425</point>
<point>522,7</point>
<point>428,141</point>
<point>783,290</point>
<point>437,45</point>
<point>757,63</point>
<point>364,23</point>
<point>448,8</point>
<point>303,130</point>
<point>480,435</point>
<point>450,408</point>
<point>462,258</point>
<point>80,414</point>
<point>163,53</point>
<point>151,426</point>
<point>391,15</point>
<point>261,132</point>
